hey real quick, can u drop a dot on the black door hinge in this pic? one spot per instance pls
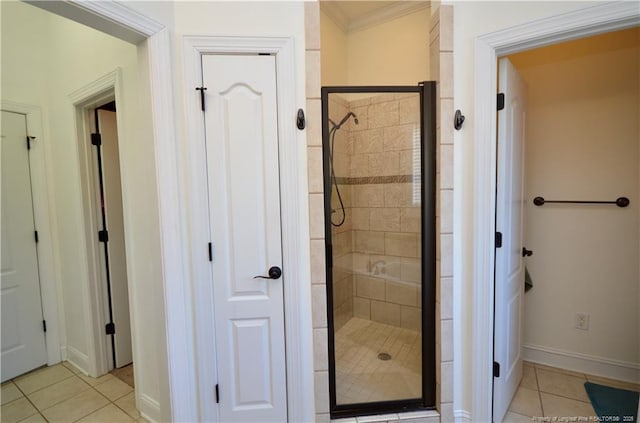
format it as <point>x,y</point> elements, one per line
<point>103,236</point>
<point>500,101</point>
<point>28,142</point>
<point>217,394</point>
<point>202,90</point>
<point>110,328</point>
<point>44,325</point>
<point>210,252</point>
<point>96,139</point>
<point>498,239</point>
<point>496,369</point>
<point>35,233</point>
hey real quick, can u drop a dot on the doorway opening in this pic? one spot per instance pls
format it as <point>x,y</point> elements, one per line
<point>578,244</point>
<point>98,133</point>
<point>106,184</point>
<point>584,22</point>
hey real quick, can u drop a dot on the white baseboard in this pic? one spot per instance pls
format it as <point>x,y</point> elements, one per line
<point>78,368</point>
<point>462,416</point>
<point>77,358</point>
<point>149,408</point>
<point>583,363</point>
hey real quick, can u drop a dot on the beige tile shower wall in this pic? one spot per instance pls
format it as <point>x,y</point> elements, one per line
<point>316,210</point>
<point>386,215</point>
<point>341,235</point>
<point>342,241</point>
<point>441,67</point>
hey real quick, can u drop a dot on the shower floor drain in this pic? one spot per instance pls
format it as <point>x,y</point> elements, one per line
<point>384,356</point>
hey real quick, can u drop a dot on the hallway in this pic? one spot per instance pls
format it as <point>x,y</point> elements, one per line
<point>61,394</point>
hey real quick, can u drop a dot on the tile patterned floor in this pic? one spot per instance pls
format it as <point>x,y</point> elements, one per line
<point>552,392</point>
<point>62,394</point>
<point>362,377</point>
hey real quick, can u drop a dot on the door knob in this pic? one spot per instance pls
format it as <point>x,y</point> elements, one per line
<point>526,253</point>
<point>274,273</point>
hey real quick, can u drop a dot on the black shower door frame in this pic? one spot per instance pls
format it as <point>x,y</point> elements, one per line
<point>427,92</point>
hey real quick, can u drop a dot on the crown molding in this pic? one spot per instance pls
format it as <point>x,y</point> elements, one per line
<point>373,18</point>
<point>335,13</point>
<point>108,16</point>
<point>386,14</point>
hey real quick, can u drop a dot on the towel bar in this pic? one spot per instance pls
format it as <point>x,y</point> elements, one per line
<point>620,201</point>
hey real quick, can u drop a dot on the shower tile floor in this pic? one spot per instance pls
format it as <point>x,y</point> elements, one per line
<point>362,377</point>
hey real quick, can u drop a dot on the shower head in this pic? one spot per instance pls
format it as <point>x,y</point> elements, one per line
<point>344,119</point>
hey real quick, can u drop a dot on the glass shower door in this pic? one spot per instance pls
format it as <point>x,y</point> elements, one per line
<point>379,182</point>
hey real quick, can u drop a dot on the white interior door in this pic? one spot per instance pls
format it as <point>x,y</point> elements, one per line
<point>244,203</point>
<point>116,247</point>
<point>23,339</point>
<point>509,283</point>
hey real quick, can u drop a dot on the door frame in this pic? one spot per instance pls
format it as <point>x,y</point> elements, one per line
<point>44,215</point>
<point>154,44</point>
<point>488,48</point>
<point>84,101</point>
<point>294,218</point>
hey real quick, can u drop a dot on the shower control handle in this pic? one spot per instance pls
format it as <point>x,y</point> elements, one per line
<point>526,253</point>
<point>274,273</point>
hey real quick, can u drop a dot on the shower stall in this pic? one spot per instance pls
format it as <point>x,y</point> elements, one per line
<point>379,185</point>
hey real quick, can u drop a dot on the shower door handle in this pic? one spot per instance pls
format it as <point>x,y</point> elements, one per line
<point>274,273</point>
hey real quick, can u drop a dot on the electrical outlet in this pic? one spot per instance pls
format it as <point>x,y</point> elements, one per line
<point>582,321</point>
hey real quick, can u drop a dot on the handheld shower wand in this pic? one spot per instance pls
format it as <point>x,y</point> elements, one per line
<point>332,135</point>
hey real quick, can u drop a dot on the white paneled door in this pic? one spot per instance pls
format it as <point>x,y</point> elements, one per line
<point>244,203</point>
<point>23,338</point>
<point>509,284</point>
<point>116,247</point>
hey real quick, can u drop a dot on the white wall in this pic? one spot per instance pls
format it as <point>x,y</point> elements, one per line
<point>583,143</point>
<point>15,34</point>
<point>395,52</point>
<point>470,20</point>
<point>44,59</point>
<point>33,89</point>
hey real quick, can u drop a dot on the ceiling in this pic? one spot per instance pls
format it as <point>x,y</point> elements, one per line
<point>356,15</point>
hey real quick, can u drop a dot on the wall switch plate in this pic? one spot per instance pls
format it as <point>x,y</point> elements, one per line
<point>582,321</point>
